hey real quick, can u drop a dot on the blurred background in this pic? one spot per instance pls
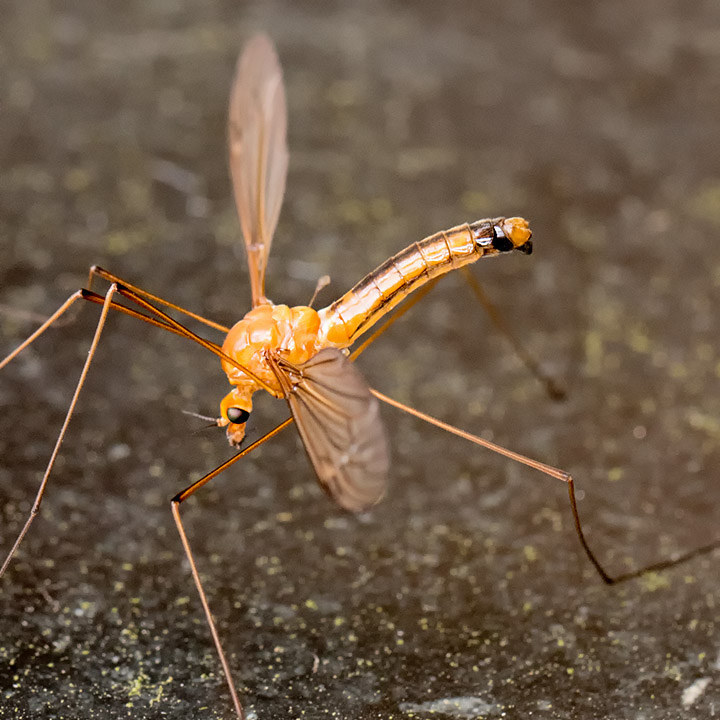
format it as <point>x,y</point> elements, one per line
<point>465,592</point>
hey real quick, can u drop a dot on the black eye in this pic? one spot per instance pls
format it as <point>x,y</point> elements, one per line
<point>500,242</point>
<point>237,415</point>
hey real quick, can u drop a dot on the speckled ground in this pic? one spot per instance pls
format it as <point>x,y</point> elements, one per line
<point>464,594</point>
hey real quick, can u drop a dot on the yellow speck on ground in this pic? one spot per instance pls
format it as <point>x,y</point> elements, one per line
<point>703,421</point>
<point>655,581</point>
<point>137,684</point>
<point>615,474</point>
<point>141,685</point>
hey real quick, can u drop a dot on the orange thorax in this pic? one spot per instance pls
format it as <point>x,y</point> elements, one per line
<point>293,332</point>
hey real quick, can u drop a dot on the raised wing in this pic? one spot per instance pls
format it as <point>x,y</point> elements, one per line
<point>257,133</point>
<point>340,426</point>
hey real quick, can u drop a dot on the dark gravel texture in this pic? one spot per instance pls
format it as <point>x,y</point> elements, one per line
<point>465,593</point>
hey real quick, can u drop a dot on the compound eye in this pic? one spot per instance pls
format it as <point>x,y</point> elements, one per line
<point>500,242</point>
<point>237,415</point>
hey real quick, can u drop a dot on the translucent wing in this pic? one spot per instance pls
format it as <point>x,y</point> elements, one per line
<point>340,426</point>
<point>257,131</point>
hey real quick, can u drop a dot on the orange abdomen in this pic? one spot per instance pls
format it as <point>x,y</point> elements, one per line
<point>380,291</point>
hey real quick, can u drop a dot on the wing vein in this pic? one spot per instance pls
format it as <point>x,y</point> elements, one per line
<point>257,133</point>
<point>339,422</point>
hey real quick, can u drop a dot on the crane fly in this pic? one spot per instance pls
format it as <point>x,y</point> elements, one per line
<point>297,353</point>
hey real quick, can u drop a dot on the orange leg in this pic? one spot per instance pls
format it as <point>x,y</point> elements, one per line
<point>554,391</point>
<point>107,302</point>
<point>97,271</point>
<point>559,475</point>
<point>93,297</point>
<point>185,332</point>
<point>547,469</point>
<point>164,322</point>
<point>175,506</point>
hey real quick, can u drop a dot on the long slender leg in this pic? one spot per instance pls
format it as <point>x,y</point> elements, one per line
<point>94,297</point>
<point>91,353</point>
<point>542,467</point>
<point>175,506</point>
<point>100,299</point>
<point>551,386</point>
<point>97,271</point>
<point>559,475</point>
<point>165,323</point>
<point>547,469</point>
<point>553,391</point>
<point>171,322</point>
<point>85,294</point>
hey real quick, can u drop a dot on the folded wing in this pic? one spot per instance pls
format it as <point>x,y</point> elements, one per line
<point>340,425</point>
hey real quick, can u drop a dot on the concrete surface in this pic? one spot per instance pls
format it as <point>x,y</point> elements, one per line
<point>464,594</point>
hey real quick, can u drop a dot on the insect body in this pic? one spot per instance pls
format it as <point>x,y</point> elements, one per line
<point>297,353</point>
<point>298,333</point>
<point>275,342</point>
<point>272,343</point>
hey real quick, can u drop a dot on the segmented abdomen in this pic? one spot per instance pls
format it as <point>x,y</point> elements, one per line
<point>381,290</point>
